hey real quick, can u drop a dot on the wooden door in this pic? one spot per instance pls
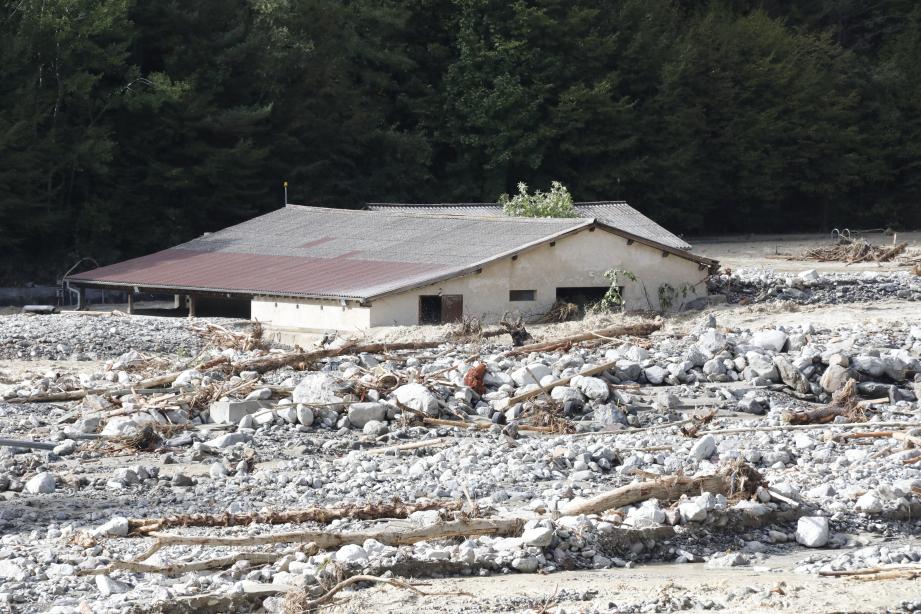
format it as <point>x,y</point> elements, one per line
<point>452,308</point>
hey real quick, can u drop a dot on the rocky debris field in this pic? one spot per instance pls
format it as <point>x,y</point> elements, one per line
<point>233,477</point>
<point>811,287</point>
<point>83,337</point>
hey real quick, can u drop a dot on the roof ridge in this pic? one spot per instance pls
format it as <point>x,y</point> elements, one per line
<point>441,216</point>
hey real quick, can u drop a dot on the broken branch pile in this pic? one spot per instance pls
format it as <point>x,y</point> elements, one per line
<point>853,251</point>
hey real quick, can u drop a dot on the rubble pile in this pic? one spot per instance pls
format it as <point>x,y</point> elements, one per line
<point>79,337</point>
<point>249,477</point>
<point>750,286</point>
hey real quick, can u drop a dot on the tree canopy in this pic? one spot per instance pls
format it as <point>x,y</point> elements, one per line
<point>128,126</point>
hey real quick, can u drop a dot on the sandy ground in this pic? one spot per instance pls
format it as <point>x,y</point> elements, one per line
<point>782,252</point>
<point>741,589</point>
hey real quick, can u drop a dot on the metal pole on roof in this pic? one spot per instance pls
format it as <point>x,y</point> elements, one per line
<point>286,193</point>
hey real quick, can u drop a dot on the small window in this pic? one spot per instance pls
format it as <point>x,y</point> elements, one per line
<point>522,295</point>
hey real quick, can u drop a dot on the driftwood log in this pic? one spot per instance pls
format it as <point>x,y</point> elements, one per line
<point>390,535</point>
<point>633,330</point>
<point>256,558</point>
<point>737,478</point>
<point>323,515</point>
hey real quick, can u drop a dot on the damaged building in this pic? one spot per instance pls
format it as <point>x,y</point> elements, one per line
<point>314,268</point>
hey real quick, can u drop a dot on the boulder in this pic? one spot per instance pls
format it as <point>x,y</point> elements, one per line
<point>117,526</point>
<point>703,448</point>
<point>304,415</point>
<point>790,375</point>
<point>418,397</point>
<point>42,483</point>
<point>227,440</point>
<point>609,415</point>
<point>318,389</point>
<point>655,374</point>
<point>592,387</point>
<point>834,378</point>
<point>539,537</point>
<point>712,342</point>
<point>361,414</point>
<point>812,531</point>
<point>521,377</point>
<point>774,340</point>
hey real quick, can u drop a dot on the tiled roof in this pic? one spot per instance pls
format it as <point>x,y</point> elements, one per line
<point>614,213</point>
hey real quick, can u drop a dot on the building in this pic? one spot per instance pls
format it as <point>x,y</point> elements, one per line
<point>313,268</point>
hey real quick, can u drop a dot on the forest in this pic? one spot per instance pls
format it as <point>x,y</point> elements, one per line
<point>127,126</point>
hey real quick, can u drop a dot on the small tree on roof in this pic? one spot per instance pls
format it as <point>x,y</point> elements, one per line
<point>555,203</point>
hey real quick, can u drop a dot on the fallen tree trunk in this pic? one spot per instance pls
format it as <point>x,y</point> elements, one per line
<point>388,535</point>
<point>22,443</point>
<point>371,511</point>
<point>734,479</point>
<point>414,445</point>
<point>633,330</point>
<point>256,558</point>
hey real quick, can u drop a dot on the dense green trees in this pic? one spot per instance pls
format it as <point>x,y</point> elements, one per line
<point>128,126</point>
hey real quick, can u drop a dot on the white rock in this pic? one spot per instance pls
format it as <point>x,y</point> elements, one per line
<point>11,571</point>
<point>869,503</point>
<point>812,531</point>
<point>525,564</point>
<point>217,471</point>
<point>592,387</point>
<point>304,415</point>
<point>539,537</point>
<point>375,428</point>
<point>317,388</point>
<point>351,553</point>
<point>692,511</point>
<point>703,448</point>
<point>43,483</point>
<point>115,527</point>
<point>523,378</point>
<point>288,414</point>
<point>834,378</point>
<point>655,374</point>
<point>418,397</point>
<point>230,439</point>
<point>68,446</point>
<point>185,378</point>
<point>770,339</point>
<point>107,586</point>
<point>711,342</point>
<point>809,276</point>
<point>362,413</point>
<point>260,394</point>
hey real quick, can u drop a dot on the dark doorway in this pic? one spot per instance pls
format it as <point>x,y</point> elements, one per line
<point>582,296</point>
<point>429,310</point>
<point>441,309</point>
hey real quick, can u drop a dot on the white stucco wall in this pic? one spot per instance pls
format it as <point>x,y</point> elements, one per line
<point>577,260</point>
<point>310,314</point>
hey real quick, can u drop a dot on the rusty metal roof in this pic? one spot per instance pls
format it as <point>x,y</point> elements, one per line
<point>618,214</point>
<point>334,253</point>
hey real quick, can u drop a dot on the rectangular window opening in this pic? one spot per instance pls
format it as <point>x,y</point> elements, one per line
<point>522,295</point>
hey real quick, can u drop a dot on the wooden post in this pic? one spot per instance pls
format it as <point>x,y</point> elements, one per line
<point>81,298</point>
<point>130,303</point>
<point>191,305</point>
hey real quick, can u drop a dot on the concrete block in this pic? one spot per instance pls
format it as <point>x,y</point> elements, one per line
<point>223,412</point>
